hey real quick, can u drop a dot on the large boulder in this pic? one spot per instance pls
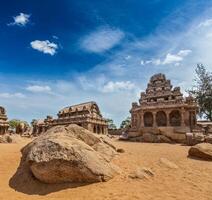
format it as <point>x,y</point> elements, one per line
<point>202,151</point>
<point>70,154</point>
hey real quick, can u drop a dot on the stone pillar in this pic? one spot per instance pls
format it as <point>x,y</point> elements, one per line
<point>154,119</point>
<point>141,120</point>
<point>105,130</point>
<point>182,117</point>
<point>167,118</point>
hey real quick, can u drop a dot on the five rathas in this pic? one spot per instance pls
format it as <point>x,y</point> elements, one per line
<point>161,109</point>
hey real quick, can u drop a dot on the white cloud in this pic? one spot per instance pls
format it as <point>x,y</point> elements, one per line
<point>171,58</point>
<point>39,88</point>
<point>176,58</point>
<point>20,20</point>
<point>152,61</point>
<point>12,95</point>
<point>128,57</point>
<point>102,40</point>
<point>116,86</point>
<point>184,52</point>
<point>205,23</point>
<point>44,46</point>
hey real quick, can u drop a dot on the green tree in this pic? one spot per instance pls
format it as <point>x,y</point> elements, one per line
<point>111,124</point>
<point>125,123</point>
<point>14,123</point>
<point>202,91</point>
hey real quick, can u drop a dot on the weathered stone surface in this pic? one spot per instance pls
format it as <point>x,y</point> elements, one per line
<point>208,139</point>
<point>152,138</point>
<point>163,139</point>
<point>149,137</point>
<point>141,173</point>
<point>136,139</point>
<point>86,114</point>
<point>158,110</point>
<point>168,163</point>
<point>10,138</point>
<point>70,154</point>
<point>202,151</point>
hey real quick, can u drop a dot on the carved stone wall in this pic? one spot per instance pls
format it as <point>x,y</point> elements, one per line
<point>163,106</point>
<point>86,115</point>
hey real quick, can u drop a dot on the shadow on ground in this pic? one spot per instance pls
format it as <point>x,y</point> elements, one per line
<point>24,181</point>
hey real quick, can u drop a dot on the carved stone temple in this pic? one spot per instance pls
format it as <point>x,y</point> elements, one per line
<point>162,109</point>
<point>4,125</point>
<point>87,115</point>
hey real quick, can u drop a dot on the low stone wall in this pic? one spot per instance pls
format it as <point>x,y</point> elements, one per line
<point>177,134</point>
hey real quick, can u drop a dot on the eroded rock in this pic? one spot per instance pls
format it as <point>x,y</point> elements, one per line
<point>70,154</point>
<point>201,151</point>
<point>141,173</point>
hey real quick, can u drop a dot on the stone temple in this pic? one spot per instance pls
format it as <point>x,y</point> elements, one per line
<point>162,109</point>
<point>4,125</point>
<point>86,115</point>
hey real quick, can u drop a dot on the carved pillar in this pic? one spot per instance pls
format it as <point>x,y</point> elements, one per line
<point>167,117</point>
<point>142,119</point>
<point>154,119</point>
<point>182,117</point>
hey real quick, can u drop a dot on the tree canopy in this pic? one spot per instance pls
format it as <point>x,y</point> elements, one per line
<point>125,123</point>
<point>202,91</point>
<point>111,124</point>
<point>15,122</point>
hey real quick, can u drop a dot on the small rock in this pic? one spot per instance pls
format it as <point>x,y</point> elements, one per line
<point>202,151</point>
<point>120,150</point>
<point>141,173</point>
<point>168,163</point>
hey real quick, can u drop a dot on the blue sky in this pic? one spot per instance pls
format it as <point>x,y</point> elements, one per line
<point>58,53</point>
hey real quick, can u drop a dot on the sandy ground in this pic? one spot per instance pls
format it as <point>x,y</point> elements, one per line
<point>192,180</point>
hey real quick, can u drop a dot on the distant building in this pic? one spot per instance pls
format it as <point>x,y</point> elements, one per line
<point>4,125</point>
<point>162,109</point>
<point>86,115</point>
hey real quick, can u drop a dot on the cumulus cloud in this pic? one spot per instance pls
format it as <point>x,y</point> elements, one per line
<point>20,20</point>
<point>172,58</point>
<point>118,85</point>
<point>12,95</point>
<point>45,46</point>
<point>169,58</point>
<point>206,23</point>
<point>102,40</point>
<point>176,58</point>
<point>39,88</point>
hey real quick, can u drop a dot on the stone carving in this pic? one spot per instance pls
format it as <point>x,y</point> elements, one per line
<point>4,125</point>
<point>86,115</point>
<point>162,106</point>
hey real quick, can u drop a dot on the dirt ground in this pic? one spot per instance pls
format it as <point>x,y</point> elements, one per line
<point>192,180</point>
